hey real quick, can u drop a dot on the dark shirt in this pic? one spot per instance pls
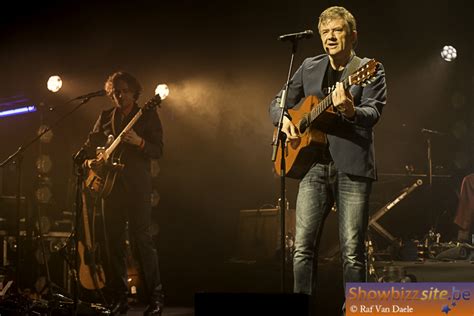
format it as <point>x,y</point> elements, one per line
<point>330,78</point>
<point>329,84</point>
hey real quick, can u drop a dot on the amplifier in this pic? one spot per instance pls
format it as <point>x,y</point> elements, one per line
<point>259,233</point>
<point>9,215</point>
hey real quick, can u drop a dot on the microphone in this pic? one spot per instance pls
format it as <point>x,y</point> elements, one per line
<point>430,131</point>
<point>296,36</point>
<point>99,93</point>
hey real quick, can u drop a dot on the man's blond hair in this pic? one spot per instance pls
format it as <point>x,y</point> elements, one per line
<point>338,13</point>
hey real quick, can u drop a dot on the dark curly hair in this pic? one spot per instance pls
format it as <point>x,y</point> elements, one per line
<point>131,81</point>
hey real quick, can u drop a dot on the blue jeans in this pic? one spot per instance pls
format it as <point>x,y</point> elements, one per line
<point>318,190</point>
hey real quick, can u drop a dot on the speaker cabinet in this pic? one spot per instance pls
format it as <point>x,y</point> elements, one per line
<point>259,233</point>
<point>9,214</point>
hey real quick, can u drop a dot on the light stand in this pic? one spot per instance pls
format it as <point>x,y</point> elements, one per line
<point>280,140</point>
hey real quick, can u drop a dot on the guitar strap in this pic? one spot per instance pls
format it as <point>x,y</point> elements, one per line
<point>351,67</point>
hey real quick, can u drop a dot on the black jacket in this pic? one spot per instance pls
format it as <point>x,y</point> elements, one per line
<point>136,173</point>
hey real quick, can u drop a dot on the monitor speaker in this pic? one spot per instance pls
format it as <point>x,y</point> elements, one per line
<point>251,304</point>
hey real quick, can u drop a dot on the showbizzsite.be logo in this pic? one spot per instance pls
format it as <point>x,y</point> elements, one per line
<point>410,298</point>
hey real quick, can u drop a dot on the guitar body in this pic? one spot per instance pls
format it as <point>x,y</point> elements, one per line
<point>301,153</point>
<point>91,275</point>
<point>101,181</point>
<point>133,273</point>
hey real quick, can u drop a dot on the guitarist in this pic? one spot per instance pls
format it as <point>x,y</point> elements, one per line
<point>346,168</point>
<point>130,198</point>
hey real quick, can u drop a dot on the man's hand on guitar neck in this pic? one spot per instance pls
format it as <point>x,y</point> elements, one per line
<point>290,129</point>
<point>132,138</point>
<point>343,101</point>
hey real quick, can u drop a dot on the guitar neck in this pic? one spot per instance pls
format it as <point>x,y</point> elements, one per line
<point>85,219</point>
<point>117,140</point>
<point>325,103</point>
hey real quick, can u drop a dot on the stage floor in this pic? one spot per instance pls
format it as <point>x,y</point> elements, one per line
<point>168,311</point>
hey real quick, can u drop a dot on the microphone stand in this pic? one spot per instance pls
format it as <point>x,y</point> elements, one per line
<point>430,185</point>
<point>429,158</point>
<point>17,158</point>
<point>430,161</point>
<point>280,141</point>
<point>78,160</point>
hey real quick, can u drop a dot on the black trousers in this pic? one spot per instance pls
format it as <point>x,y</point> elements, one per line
<point>132,205</point>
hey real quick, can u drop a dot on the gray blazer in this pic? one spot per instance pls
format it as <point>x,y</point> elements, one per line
<point>351,142</point>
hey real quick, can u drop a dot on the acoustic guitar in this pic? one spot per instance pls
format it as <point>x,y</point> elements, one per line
<point>91,274</point>
<point>100,181</point>
<point>312,118</point>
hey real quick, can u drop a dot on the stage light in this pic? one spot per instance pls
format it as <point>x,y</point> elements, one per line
<point>46,138</point>
<point>155,198</point>
<point>54,83</point>
<point>14,105</point>
<point>163,90</point>
<point>44,164</point>
<point>25,109</point>
<point>449,53</point>
<point>45,223</point>
<point>154,168</point>
<point>43,192</point>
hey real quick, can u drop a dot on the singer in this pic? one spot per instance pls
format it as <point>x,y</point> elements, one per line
<point>344,172</point>
<point>130,198</point>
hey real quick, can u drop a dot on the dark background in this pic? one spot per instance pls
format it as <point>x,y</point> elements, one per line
<point>223,64</point>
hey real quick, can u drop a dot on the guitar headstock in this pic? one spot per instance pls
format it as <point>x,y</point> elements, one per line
<point>364,74</point>
<point>153,102</point>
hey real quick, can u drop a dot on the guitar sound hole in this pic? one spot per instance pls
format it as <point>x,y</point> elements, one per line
<point>303,125</point>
